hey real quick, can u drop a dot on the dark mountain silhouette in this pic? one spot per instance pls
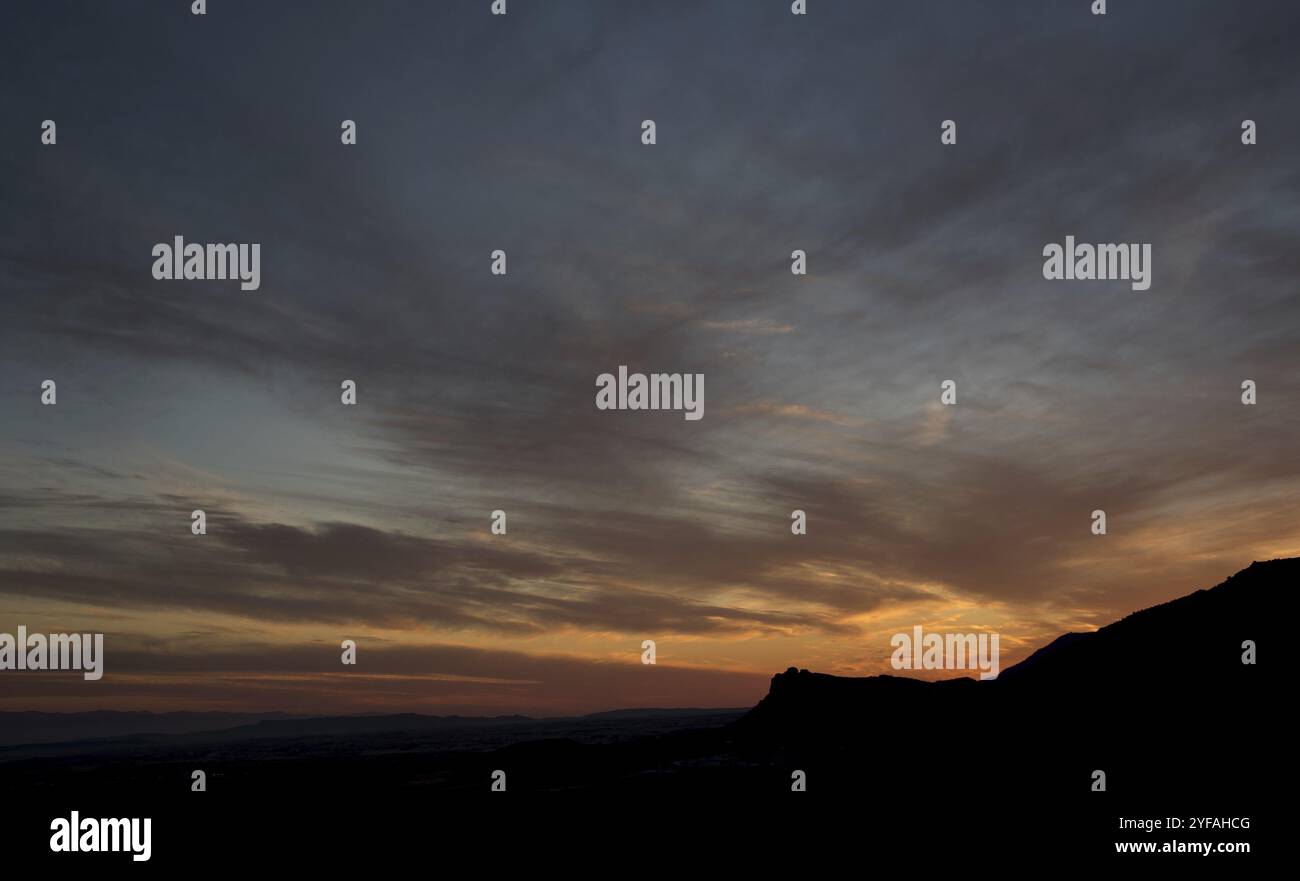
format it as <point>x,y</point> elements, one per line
<point>1179,660</point>
<point>1160,701</point>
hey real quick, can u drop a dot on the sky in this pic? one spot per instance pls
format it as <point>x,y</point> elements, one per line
<point>475,392</point>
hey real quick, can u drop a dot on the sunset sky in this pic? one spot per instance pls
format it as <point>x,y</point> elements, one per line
<point>476,392</point>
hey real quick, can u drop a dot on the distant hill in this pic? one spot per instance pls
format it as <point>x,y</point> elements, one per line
<point>33,727</point>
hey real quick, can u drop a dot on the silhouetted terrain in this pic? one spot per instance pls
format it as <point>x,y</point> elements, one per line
<point>1160,701</point>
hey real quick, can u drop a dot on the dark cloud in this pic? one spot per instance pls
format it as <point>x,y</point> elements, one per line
<point>350,573</point>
